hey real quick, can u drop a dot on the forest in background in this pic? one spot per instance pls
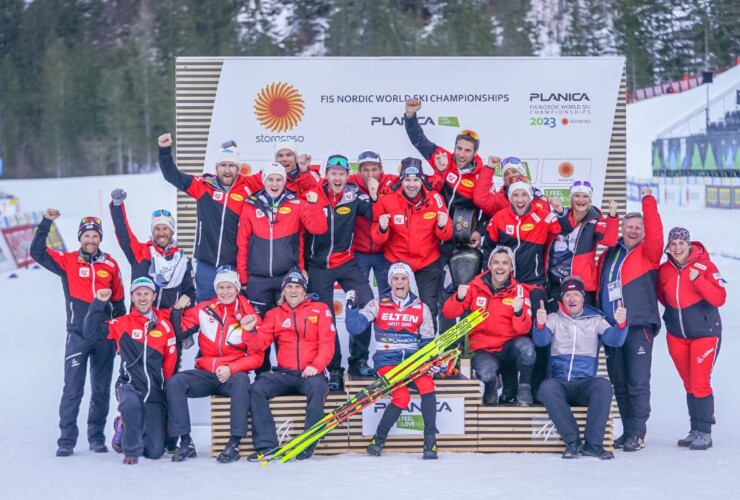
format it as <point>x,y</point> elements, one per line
<point>87,85</point>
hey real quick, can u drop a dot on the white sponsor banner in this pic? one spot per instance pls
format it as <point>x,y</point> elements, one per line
<point>450,417</point>
<point>556,113</point>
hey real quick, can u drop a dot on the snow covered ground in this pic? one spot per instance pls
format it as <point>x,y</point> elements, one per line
<point>32,362</point>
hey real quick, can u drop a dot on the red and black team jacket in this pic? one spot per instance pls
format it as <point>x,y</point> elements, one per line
<point>220,337</point>
<point>456,186</point>
<point>594,229</point>
<point>363,240</point>
<point>304,335</point>
<point>269,237</point>
<point>296,181</point>
<point>82,276</point>
<point>638,272</point>
<point>691,307</point>
<point>218,210</point>
<point>172,272</point>
<point>502,324</point>
<point>490,201</point>
<point>413,235</point>
<point>527,237</point>
<point>336,246</point>
<point>146,346</point>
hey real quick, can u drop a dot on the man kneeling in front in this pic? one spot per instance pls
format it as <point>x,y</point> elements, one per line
<point>575,333</point>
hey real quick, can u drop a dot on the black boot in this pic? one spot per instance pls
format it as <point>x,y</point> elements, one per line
<point>633,443</point>
<point>598,451</point>
<point>98,448</point>
<point>572,449</point>
<point>375,448</point>
<point>336,380</point>
<point>231,451</point>
<point>704,422</point>
<point>524,396</point>
<point>619,442</point>
<point>490,394</point>
<point>64,451</point>
<point>307,453</point>
<point>186,449</point>
<point>430,447</point>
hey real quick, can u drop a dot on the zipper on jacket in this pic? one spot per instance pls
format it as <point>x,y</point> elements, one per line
<point>297,340</point>
<point>271,247</point>
<point>200,231</point>
<point>72,313</point>
<point>221,231</point>
<point>678,304</point>
<point>454,189</point>
<point>536,265</point>
<point>146,368</point>
<point>518,237</point>
<point>92,272</point>
<point>331,237</point>
<point>573,349</point>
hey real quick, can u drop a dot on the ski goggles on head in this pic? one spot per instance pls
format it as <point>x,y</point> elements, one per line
<point>367,156</point>
<point>225,267</point>
<point>582,183</point>
<point>513,160</point>
<point>143,282</point>
<point>91,220</point>
<point>518,178</point>
<point>470,133</point>
<point>161,212</point>
<point>337,161</point>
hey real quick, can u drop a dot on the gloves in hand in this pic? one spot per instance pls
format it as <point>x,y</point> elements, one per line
<point>351,299</point>
<point>118,195</point>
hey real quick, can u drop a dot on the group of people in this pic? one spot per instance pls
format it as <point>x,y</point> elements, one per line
<point>269,248</point>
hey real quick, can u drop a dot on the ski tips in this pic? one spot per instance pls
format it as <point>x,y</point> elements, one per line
<point>264,463</point>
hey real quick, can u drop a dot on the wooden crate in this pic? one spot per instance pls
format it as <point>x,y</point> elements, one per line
<point>283,408</point>
<point>514,429</point>
<point>469,390</point>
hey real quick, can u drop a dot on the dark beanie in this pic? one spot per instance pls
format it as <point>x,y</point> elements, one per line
<point>572,283</point>
<point>295,276</point>
<point>679,233</point>
<point>88,224</point>
<point>411,166</point>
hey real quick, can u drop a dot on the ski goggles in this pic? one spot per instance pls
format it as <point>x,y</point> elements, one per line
<point>582,183</point>
<point>225,267</point>
<point>161,212</point>
<point>91,220</point>
<point>337,161</point>
<point>518,178</point>
<point>513,160</point>
<point>368,156</point>
<point>470,133</point>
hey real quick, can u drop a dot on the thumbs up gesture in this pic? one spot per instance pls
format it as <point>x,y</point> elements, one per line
<point>620,314</point>
<point>542,314</point>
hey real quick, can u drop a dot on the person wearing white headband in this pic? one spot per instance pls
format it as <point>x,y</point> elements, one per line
<point>402,324</point>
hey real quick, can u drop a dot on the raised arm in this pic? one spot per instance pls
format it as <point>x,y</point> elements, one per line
<point>46,257</point>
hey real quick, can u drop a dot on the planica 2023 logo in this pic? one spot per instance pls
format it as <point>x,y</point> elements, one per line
<point>279,107</point>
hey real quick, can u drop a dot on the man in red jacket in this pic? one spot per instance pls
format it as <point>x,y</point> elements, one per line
<point>304,332</point>
<point>501,341</point>
<point>628,274</point>
<point>412,222</point>
<point>146,343</point>
<point>228,352</point>
<point>83,273</point>
<point>369,255</point>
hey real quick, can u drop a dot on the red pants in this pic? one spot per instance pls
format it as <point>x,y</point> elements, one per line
<point>401,397</point>
<point>694,360</point>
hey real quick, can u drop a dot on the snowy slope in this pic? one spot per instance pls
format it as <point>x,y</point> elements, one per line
<point>647,118</point>
<point>32,375</point>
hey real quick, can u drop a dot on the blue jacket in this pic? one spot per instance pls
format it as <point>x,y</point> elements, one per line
<point>575,342</point>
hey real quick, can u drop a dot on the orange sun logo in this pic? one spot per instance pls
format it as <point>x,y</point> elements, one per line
<point>279,107</point>
<point>245,169</point>
<point>566,169</point>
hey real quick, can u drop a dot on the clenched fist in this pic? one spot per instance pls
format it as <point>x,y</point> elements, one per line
<point>372,188</point>
<point>693,274</point>
<point>312,197</point>
<point>182,303</point>
<point>613,207</point>
<point>442,218</point>
<point>165,140</point>
<point>118,195</point>
<point>384,220</point>
<point>493,162</point>
<point>462,291</point>
<point>517,304</point>
<point>104,294</point>
<point>557,205</point>
<point>248,322</point>
<point>441,161</point>
<point>304,162</point>
<point>646,191</point>
<point>52,213</point>
<point>412,106</point>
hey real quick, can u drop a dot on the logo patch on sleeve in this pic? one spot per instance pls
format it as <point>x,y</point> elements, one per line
<point>700,266</point>
<point>171,341</point>
<point>286,323</point>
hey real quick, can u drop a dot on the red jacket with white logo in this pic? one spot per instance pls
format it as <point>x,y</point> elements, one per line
<point>363,227</point>
<point>269,237</point>
<point>526,236</point>
<point>691,307</point>
<point>298,182</point>
<point>220,337</point>
<point>147,348</point>
<point>413,235</point>
<point>492,201</point>
<point>336,245</point>
<point>218,209</point>
<point>304,335</point>
<point>82,276</point>
<point>502,324</point>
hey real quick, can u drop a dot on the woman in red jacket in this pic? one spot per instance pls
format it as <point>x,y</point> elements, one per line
<point>691,289</point>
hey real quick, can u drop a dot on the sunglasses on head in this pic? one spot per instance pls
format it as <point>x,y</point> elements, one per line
<point>368,156</point>
<point>519,178</point>
<point>582,183</point>
<point>161,212</point>
<point>470,133</point>
<point>510,160</point>
<point>337,161</point>
<point>91,220</point>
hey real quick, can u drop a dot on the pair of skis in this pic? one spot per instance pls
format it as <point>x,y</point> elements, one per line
<point>431,355</point>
